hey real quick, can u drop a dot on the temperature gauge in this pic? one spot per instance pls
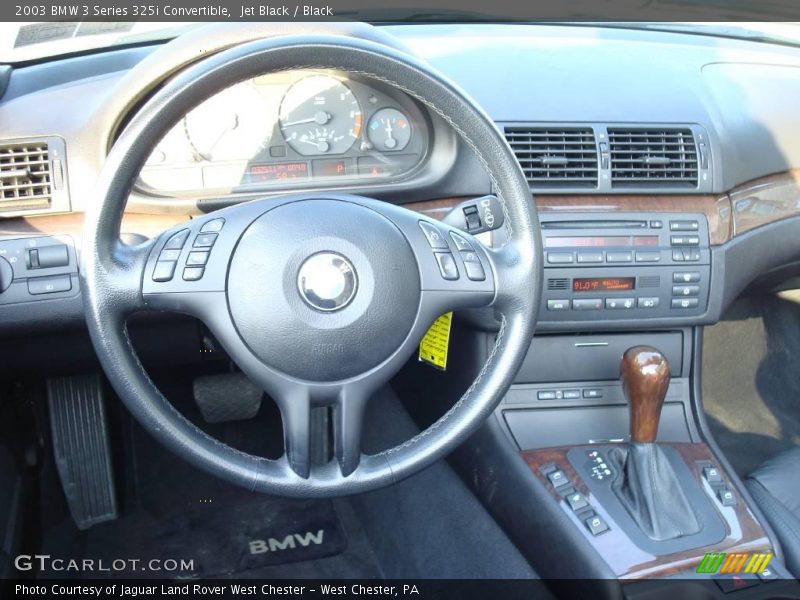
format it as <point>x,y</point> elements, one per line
<point>389,129</point>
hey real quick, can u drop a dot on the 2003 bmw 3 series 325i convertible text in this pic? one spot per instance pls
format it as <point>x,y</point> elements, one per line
<point>397,301</point>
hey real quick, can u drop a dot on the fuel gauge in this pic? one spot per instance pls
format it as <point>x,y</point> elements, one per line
<point>389,130</point>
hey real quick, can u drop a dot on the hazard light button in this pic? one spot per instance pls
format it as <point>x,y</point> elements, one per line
<point>734,583</point>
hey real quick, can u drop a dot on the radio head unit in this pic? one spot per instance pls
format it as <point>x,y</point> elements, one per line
<point>625,267</point>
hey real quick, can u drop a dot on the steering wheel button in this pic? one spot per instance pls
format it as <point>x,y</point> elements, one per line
<point>213,226</point>
<point>447,265</point>
<point>192,273</point>
<point>169,254</point>
<point>460,242</point>
<point>205,240</point>
<point>474,270</point>
<point>434,236</point>
<point>197,259</point>
<point>177,241</point>
<point>164,270</point>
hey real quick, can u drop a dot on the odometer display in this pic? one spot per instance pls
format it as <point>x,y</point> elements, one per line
<point>603,284</point>
<point>271,172</point>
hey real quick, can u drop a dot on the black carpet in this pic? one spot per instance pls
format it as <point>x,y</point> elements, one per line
<point>428,526</point>
<point>751,380</point>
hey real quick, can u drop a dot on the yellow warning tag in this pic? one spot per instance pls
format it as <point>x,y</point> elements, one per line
<point>433,347</point>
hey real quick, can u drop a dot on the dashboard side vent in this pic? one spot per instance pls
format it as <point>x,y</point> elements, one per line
<point>557,284</point>
<point>652,157</point>
<point>25,178</point>
<point>555,157</point>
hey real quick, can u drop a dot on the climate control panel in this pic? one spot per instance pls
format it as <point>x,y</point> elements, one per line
<point>626,267</point>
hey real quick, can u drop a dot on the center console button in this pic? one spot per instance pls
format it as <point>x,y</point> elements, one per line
<point>619,257</point>
<point>620,303</point>
<point>587,304</point>
<point>684,226</point>
<point>590,257</point>
<point>548,395</point>
<point>572,394</point>
<point>685,277</point>
<point>647,302</point>
<point>558,305</point>
<point>560,258</point>
<point>685,303</point>
<point>648,256</point>
<point>685,240</point>
<point>685,290</point>
<point>593,393</point>
<point>726,496</point>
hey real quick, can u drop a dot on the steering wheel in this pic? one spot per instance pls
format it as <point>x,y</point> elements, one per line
<point>318,298</point>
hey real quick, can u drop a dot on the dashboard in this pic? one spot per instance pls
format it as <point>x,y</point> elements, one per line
<point>295,128</point>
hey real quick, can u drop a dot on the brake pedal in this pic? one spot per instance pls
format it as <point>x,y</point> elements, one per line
<point>81,447</point>
<point>226,397</point>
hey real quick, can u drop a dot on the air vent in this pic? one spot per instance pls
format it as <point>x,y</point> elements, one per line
<point>25,181</point>
<point>555,157</point>
<point>652,157</point>
<point>557,284</point>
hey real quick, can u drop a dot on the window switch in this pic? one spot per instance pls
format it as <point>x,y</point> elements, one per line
<point>712,475</point>
<point>596,524</point>
<point>726,497</point>
<point>557,478</point>
<point>577,501</point>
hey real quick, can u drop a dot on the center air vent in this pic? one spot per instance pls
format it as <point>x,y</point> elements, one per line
<point>555,157</point>
<point>652,157</point>
<point>25,181</point>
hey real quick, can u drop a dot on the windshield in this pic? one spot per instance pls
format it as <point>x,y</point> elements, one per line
<point>20,42</point>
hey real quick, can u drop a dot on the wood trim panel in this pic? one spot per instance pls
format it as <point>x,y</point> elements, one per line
<point>628,561</point>
<point>72,224</point>
<point>765,201</point>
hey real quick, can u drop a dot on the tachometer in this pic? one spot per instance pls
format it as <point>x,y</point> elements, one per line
<point>320,115</point>
<point>231,125</point>
<point>389,129</point>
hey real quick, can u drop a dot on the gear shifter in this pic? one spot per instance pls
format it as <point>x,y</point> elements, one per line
<point>646,483</point>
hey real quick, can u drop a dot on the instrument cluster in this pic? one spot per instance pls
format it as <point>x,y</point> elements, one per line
<point>295,129</point>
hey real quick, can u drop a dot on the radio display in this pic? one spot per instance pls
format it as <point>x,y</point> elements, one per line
<point>603,284</point>
<point>600,241</point>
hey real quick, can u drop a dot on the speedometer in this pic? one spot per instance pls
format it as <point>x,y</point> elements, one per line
<point>320,115</point>
<point>231,125</point>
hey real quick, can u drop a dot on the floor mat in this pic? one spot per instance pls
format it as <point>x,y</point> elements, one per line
<point>220,541</point>
<point>751,380</point>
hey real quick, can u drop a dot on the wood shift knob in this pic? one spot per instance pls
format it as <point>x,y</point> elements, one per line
<point>644,372</point>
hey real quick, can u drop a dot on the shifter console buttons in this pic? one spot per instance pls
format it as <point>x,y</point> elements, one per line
<point>726,496</point>
<point>596,525</point>
<point>557,478</point>
<point>434,236</point>
<point>447,265</point>
<point>576,501</point>
<point>712,475</point>
<point>213,226</point>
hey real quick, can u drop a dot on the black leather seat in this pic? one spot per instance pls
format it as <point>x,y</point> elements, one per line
<point>775,486</point>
